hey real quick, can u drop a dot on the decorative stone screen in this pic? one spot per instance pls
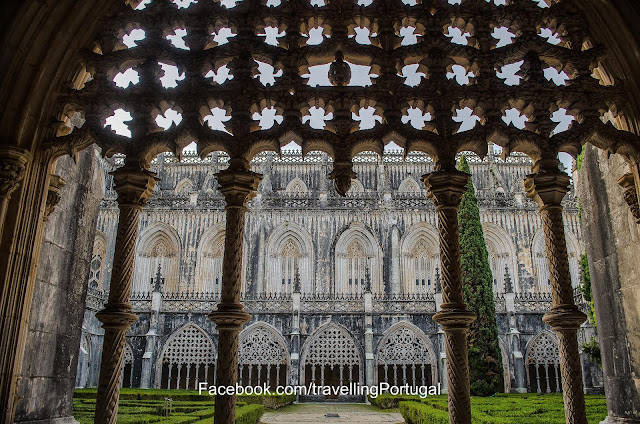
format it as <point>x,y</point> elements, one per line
<point>187,358</point>
<point>127,369</point>
<point>263,357</point>
<point>543,364</point>
<point>97,263</point>
<point>331,358</point>
<point>404,358</point>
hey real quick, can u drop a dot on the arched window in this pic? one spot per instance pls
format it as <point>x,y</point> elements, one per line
<point>210,256</point>
<point>331,357</point>
<point>409,186</point>
<point>185,186</point>
<point>357,267</point>
<point>543,364</point>
<point>289,251</point>
<point>127,368</point>
<point>358,261</point>
<point>405,356</point>
<point>420,258</point>
<point>96,268</point>
<point>541,265</point>
<point>502,257</point>
<point>289,265</point>
<point>263,356</point>
<point>187,358</point>
<point>297,187</point>
<point>158,247</point>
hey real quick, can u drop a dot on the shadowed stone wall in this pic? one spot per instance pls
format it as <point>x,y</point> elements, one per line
<point>613,247</point>
<point>51,354</point>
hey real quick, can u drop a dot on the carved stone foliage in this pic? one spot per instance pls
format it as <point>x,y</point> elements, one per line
<point>260,345</point>
<point>630,194</point>
<point>223,65</point>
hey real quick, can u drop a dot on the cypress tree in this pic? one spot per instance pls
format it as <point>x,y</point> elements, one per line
<point>485,359</point>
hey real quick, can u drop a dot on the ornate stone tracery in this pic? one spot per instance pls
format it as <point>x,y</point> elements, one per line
<point>543,364</point>
<point>331,357</point>
<point>405,356</point>
<point>187,357</point>
<point>263,356</point>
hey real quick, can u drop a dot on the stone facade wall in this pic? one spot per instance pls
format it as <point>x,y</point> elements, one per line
<point>51,359</point>
<point>385,211</point>
<point>613,246</point>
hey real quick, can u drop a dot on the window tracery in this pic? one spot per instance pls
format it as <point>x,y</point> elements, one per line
<point>127,367</point>
<point>404,358</point>
<point>263,357</point>
<point>158,248</point>
<point>541,266</point>
<point>420,258</point>
<point>332,358</point>
<point>187,358</point>
<point>96,268</point>
<point>289,265</point>
<point>210,265</point>
<point>543,364</point>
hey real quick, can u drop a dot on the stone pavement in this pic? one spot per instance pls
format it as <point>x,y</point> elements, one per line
<point>311,413</point>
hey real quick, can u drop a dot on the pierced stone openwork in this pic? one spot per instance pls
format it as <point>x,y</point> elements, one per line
<point>263,357</point>
<point>127,369</point>
<point>405,358</point>
<point>96,267</point>
<point>187,358</point>
<point>543,364</point>
<point>342,77</point>
<point>331,357</point>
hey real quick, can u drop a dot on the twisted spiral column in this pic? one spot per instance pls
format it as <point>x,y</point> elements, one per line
<point>548,188</point>
<point>238,185</point>
<point>134,188</point>
<point>445,188</point>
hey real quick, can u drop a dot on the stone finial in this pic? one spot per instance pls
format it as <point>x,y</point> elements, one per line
<point>158,283</point>
<point>296,281</point>
<point>367,280</point>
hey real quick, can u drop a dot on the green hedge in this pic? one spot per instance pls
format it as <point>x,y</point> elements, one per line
<point>420,413</point>
<point>387,401</point>
<point>249,414</point>
<point>270,401</point>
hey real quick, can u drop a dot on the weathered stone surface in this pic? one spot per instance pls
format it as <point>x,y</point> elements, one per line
<point>50,361</point>
<point>613,247</point>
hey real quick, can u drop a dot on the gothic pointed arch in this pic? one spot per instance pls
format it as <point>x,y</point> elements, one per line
<point>331,356</point>
<point>127,367</point>
<point>409,186</point>
<point>502,257</point>
<point>184,186</point>
<point>405,355</point>
<point>209,260</point>
<point>263,356</point>
<point>290,250</point>
<point>188,356</point>
<point>542,360</point>
<point>506,367</point>
<point>541,266</point>
<point>419,257</point>
<point>98,259</point>
<point>297,187</point>
<point>158,245</point>
<point>358,256</point>
<point>356,188</point>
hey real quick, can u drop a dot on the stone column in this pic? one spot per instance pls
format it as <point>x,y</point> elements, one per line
<point>134,187</point>
<point>445,188</point>
<point>547,188</point>
<point>369,355</point>
<point>238,185</point>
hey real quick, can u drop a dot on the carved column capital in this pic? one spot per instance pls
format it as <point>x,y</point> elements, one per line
<point>13,162</point>
<point>446,187</point>
<point>56,183</point>
<point>627,182</point>
<point>237,184</point>
<point>547,188</point>
<point>134,186</point>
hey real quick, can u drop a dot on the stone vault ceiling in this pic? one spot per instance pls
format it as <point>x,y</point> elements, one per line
<point>342,76</point>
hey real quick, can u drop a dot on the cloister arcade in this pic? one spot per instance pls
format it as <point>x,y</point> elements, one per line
<point>61,93</point>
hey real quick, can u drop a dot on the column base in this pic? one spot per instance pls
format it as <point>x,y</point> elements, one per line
<point>620,420</point>
<point>65,420</point>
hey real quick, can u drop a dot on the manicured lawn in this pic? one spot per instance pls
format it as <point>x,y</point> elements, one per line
<point>139,406</point>
<point>501,409</point>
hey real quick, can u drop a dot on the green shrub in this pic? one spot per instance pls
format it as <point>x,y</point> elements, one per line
<point>249,414</point>
<point>387,401</point>
<point>420,413</point>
